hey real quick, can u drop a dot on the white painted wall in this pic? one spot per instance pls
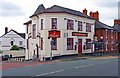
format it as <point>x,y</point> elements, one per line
<point>6,40</point>
<point>62,27</point>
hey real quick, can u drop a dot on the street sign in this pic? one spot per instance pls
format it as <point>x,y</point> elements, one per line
<point>51,42</point>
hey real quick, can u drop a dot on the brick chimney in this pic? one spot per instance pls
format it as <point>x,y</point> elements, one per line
<point>95,15</point>
<point>117,22</point>
<point>6,30</point>
<point>85,11</point>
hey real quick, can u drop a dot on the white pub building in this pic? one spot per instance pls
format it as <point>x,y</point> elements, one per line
<point>58,31</point>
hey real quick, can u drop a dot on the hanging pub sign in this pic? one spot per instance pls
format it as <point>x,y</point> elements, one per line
<point>79,34</point>
<point>54,34</point>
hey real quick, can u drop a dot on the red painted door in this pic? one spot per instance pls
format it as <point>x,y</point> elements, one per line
<point>79,47</point>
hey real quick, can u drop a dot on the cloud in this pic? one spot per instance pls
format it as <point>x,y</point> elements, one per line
<point>9,9</point>
<point>107,4</point>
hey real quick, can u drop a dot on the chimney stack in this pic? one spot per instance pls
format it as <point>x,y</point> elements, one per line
<point>6,30</point>
<point>95,15</point>
<point>116,22</point>
<point>85,11</point>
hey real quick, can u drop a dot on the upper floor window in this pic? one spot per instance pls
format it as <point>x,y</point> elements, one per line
<point>88,27</point>
<point>106,33</point>
<point>112,33</point>
<point>20,43</point>
<point>34,31</point>
<point>54,23</point>
<point>70,24</point>
<point>41,24</point>
<point>69,43</point>
<point>79,26</point>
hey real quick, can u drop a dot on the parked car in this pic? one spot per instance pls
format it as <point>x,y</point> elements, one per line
<point>5,57</point>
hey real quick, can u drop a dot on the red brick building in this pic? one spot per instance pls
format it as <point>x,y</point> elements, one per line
<point>117,27</point>
<point>108,33</point>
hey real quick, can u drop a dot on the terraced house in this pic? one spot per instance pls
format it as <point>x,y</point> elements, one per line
<point>58,31</point>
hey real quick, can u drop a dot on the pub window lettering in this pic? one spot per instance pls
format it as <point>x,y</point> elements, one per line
<point>70,24</point>
<point>54,23</point>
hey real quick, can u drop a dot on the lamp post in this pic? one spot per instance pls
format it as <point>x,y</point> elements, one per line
<point>29,36</point>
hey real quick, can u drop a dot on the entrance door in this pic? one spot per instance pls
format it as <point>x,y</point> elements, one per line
<point>79,47</point>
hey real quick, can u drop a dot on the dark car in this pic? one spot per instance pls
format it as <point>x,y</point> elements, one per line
<point>5,57</point>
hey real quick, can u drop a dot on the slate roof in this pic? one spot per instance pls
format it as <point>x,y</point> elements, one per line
<point>99,24</point>
<point>59,9</point>
<point>117,27</point>
<point>20,34</point>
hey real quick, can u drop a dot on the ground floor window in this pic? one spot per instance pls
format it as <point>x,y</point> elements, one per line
<point>54,44</point>
<point>106,45</point>
<point>88,44</point>
<point>69,43</point>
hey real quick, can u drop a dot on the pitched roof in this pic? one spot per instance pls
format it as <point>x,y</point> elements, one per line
<point>99,24</point>
<point>59,9</point>
<point>117,27</point>
<point>20,34</point>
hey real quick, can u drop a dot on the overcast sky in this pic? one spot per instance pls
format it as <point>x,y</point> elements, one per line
<point>13,13</point>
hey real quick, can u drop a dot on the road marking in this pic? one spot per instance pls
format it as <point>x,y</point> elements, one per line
<point>55,71</point>
<point>104,62</point>
<point>50,73</point>
<point>42,74</point>
<point>84,66</point>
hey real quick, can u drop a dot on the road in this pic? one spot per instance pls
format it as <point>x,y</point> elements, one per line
<point>84,67</point>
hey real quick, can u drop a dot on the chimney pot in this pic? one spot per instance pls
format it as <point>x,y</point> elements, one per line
<point>6,30</point>
<point>85,11</point>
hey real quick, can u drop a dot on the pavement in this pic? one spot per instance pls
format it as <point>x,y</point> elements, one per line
<point>14,64</point>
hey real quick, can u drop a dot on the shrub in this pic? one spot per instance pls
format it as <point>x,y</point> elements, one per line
<point>14,47</point>
<point>1,51</point>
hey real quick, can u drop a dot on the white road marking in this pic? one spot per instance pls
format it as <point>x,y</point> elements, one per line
<point>104,62</point>
<point>55,71</point>
<point>50,73</point>
<point>84,66</point>
<point>42,74</point>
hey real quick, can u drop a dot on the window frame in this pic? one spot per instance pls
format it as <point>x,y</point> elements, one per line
<point>41,24</point>
<point>34,31</point>
<point>88,27</point>
<point>20,43</point>
<point>70,24</point>
<point>80,26</point>
<point>70,43</point>
<point>53,23</point>
<point>54,47</point>
<point>88,45</point>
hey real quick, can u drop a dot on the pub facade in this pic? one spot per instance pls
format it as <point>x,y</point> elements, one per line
<point>58,31</point>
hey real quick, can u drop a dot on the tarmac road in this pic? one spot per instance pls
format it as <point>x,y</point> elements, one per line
<point>84,67</point>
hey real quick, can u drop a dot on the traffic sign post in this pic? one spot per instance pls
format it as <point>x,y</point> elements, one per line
<point>51,43</point>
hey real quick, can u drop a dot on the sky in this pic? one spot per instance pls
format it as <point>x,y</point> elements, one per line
<point>13,13</point>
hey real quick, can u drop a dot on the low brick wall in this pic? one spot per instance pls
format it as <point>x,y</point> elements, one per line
<point>14,53</point>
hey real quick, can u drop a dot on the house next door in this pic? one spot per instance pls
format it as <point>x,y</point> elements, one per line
<point>79,47</point>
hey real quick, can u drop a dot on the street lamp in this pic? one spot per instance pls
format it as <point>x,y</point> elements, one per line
<point>101,41</point>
